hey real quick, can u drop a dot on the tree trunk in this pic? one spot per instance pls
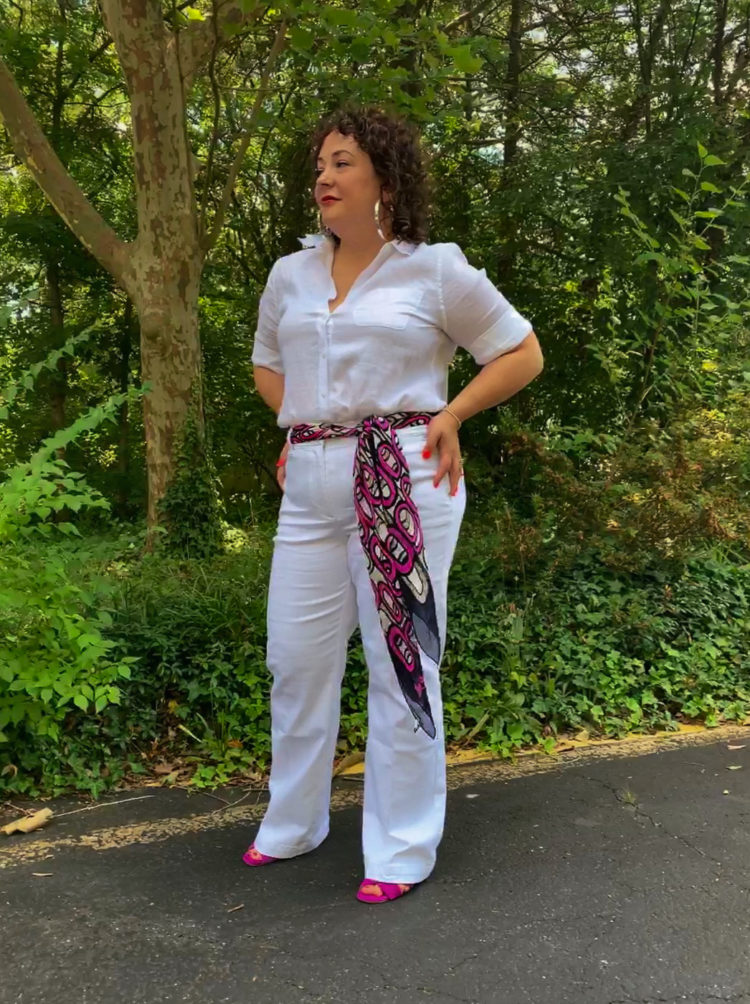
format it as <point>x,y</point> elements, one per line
<point>167,258</point>
<point>160,270</point>
<point>123,418</point>
<point>59,379</point>
<point>717,53</point>
<point>513,86</point>
<point>507,255</point>
<point>171,363</point>
<point>640,107</point>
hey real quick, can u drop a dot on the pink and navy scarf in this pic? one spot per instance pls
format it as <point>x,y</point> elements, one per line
<point>391,535</point>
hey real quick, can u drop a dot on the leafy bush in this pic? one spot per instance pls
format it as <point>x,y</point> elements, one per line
<point>197,629</point>
<point>593,647</point>
<point>601,580</point>
<point>189,510</point>
<point>56,662</point>
<point>576,645</point>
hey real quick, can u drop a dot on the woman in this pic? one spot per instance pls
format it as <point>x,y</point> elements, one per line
<point>354,339</point>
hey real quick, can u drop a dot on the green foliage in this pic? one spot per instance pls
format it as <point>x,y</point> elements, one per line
<point>601,579</point>
<point>25,381</point>
<point>56,662</point>
<point>197,629</point>
<point>584,645</point>
<point>593,647</point>
<point>189,509</point>
<point>692,304</point>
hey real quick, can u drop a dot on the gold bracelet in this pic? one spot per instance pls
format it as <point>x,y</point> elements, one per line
<point>450,412</point>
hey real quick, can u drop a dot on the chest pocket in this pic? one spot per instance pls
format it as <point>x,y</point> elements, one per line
<point>389,306</point>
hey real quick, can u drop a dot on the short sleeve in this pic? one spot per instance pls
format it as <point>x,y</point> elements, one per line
<point>266,343</point>
<point>476,315</point>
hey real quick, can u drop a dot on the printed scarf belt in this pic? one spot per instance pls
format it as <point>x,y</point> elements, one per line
<point>391,535</point>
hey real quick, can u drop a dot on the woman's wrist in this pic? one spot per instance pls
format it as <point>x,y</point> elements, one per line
<point>452,413</point>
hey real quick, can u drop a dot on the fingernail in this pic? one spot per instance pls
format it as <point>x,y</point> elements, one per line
<point>426,454</point>
<point>435,484</point>
<point>279,463</point>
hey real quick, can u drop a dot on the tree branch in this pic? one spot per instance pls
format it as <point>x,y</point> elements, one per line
<point>738,73</point>
<point>208,175</point>
<point>93,56</point>
<point>279,44</point>
<point>200,37</point>
<point>33,149</point>
<point>466,15</point>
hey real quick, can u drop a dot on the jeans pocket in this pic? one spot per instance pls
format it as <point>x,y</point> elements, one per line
<point>297,484</point>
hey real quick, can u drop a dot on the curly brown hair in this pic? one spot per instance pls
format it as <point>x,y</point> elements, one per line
<point>398,156</point>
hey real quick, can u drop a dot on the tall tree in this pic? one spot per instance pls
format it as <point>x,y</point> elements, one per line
<point>161,268</point>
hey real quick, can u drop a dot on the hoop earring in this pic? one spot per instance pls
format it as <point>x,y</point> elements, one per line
<point>381,235</point>
<point>326,231</point>
<point>390,210</point>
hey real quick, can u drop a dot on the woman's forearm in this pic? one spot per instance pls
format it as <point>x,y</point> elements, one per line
<point>500,379</point>
<point>270,386</point>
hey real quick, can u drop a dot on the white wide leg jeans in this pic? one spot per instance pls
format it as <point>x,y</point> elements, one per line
<point>319,588</point>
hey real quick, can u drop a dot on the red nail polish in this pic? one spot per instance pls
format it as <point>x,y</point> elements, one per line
<point>426,454</point>
<point>280,463</point>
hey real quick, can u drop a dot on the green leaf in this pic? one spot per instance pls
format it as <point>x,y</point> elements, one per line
<point>69,529</point>
<point>464,59</point>
<point>300,38</point>
<point>702,151</point>
<point>712,160</point>
<point>81,701</point>
<point>341,16</point>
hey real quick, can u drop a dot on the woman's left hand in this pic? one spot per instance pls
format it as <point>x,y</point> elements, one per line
<point>442,437</point>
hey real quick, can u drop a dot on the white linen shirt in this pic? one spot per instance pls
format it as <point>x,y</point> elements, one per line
<point>388,345</point>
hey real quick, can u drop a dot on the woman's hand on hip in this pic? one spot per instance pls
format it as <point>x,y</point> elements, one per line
<point>442,438</point>
<point>281,466</point>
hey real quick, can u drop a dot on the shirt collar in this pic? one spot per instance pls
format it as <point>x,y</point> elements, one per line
<point>320,240</point>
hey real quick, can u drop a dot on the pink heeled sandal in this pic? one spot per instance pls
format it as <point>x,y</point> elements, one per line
<point>371,891</point>
<point>253,856</point>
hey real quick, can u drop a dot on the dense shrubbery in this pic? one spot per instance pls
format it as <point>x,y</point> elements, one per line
<point>55,655</point>
<point>593,647</point>
<point>558,620</point>
<point>602,578</point>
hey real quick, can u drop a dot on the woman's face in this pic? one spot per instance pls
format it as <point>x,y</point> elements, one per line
<point>345,171</point>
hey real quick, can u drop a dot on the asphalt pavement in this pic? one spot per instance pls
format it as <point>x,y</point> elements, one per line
<point>619,876</point>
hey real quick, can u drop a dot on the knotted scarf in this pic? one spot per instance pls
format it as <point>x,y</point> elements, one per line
<point>391,536</point>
